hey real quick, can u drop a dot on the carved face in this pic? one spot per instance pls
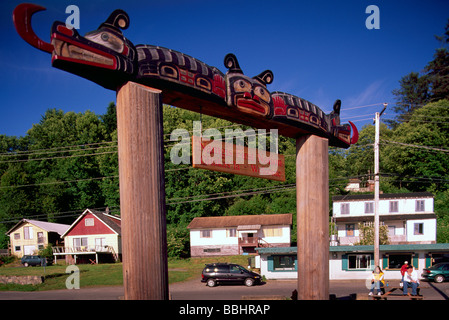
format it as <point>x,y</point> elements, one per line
<point>104,56</point>
<point>249,95</point>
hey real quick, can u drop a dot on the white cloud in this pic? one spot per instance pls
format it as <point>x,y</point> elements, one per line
<point>374,93</point>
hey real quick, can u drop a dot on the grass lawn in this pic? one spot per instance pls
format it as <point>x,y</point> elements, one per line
<point>107,274</point>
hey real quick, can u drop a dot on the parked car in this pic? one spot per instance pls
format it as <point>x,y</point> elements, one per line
<point>438,272</point>
<point>35,261</point>
<point>216,273</point>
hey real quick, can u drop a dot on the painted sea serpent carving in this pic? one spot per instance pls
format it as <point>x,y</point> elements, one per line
<point>107,58</point>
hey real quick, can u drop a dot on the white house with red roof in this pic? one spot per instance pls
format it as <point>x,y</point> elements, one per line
<point>94,237</point>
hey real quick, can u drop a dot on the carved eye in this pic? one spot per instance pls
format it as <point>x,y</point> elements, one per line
<point>262,93</point>
<point>242,85</point>
<point>106,39</point>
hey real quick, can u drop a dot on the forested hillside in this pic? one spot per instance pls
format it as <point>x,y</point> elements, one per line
<point>68,162</point>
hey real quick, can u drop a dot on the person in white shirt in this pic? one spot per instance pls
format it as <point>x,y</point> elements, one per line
<point>411,280</point>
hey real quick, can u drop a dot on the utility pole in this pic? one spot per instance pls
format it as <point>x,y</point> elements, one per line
<point>376,187</point>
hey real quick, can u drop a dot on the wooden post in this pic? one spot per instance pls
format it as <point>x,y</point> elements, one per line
<point>312,196</point>
<point>142,192</point>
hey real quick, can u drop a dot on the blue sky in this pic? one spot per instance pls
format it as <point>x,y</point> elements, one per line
<point>318,50</point>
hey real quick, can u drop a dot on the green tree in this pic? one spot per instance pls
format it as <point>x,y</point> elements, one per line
<point>178,239</point>
<point>64,161</point>
<point>366,234</point>
<point>441,207</point>
<point>417,154</point>
<point>412,94</point>
<point>415,89</point>
<point>437,75</point>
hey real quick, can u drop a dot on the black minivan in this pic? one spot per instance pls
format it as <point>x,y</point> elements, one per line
<point>216,273</point>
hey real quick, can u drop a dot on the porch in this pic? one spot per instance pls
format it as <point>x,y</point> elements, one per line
<point>77,254</point>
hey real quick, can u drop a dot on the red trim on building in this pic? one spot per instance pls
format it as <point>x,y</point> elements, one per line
<point>98,227</point>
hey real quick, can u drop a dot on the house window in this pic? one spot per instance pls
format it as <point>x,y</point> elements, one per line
<point>272,232</point>
<point>359,261</point>
<point>40,237</point>
<point>17,248</point>
<point>89,222</point>
<point>391,230</point>
<point>79,243</point>
<point>212,250</point>
<point>350,230</point>
<point>419,205</point>
<point>284,262</point>
<point>394,206</point>
<point>369,207</point>
<point>418,229</point>
<point>100,244</point>
<point>395,261</point>
<point>231,233</point>
<point>344,208</point>
<point>206,234</point>
<point>17,236</point>
<point>28,233</point>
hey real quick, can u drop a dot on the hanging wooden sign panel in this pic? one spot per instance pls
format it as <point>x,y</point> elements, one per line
<point>230,158</point>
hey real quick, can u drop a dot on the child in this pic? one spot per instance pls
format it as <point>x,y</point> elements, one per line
<point>377,281</point>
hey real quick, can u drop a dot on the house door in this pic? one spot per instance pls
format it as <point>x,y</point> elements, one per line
<point>249,237</point>
<point>29,250</point>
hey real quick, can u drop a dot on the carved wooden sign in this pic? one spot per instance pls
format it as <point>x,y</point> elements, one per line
<point>230,158</point>
<point>107,58</point>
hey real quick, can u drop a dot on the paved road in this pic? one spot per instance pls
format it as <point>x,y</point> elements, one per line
<point>195,290</point>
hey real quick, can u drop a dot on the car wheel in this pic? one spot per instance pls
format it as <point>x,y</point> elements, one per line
<point>211,282</point>
<point>439,278</point>
<point>26,264</point>
<point>249,282</point>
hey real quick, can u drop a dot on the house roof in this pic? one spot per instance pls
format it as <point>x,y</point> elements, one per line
<point>112,222</point>
<point>47,226</point>
<point>383,196</point>
<point>245,220</point>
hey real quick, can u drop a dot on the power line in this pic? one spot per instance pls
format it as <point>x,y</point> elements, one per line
<point>416,146</point>
<point>58,157</point>
<point>55,182</point>
<point>18,152</point>
<point>49,152</point>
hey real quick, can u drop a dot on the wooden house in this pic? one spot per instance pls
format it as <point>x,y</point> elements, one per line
<point>410,217</point>
<point>27,237</point>
<point>94,237</point>
<point>231,235</point>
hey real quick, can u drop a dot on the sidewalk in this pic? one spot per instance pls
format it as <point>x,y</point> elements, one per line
<point>342,289</point>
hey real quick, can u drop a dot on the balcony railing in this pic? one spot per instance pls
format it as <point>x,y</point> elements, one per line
<point>81,249</point>
<point>249,241</point>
